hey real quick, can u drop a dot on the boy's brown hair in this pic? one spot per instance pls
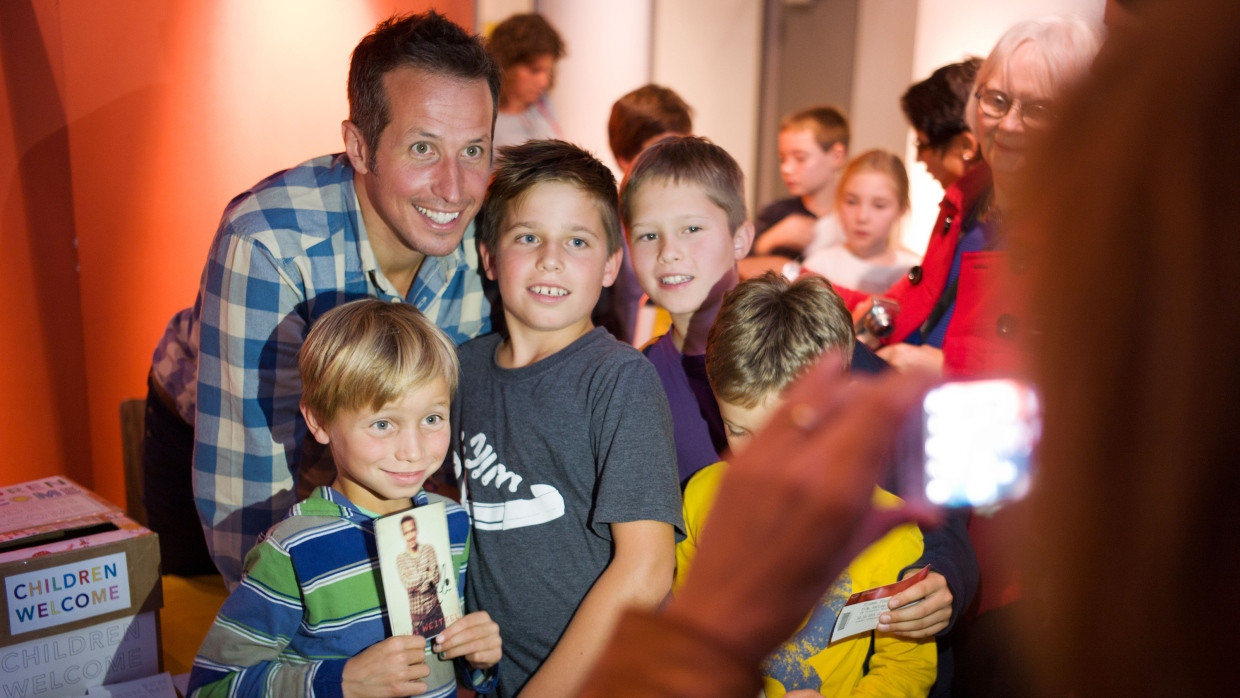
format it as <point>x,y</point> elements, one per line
<point>828,125</point>
<point>768,331</point>
<point>688,160</point>
<point>522,167</point>
<point>522,38</point>
<point>368,353</point>
<point>642,114</point>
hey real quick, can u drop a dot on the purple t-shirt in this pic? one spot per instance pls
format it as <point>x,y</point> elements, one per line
<point>696,424</point>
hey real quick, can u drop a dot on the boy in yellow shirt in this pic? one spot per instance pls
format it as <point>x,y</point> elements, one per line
<point>767,332</point>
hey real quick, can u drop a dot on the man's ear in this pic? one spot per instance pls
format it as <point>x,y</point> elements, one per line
<point>317,428</point>
<point>355,146</point>
<point>742,240</point>
<point>488,260</point>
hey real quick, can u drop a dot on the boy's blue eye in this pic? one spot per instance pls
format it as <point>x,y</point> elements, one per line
<point>577,242</point>
<point>433,419</point>
<point>382,424</point>
<point>647,236</point>
<point>527,237</point>
<point>694,228</point>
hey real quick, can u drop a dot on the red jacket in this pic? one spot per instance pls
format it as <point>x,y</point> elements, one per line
<point>985,326</point>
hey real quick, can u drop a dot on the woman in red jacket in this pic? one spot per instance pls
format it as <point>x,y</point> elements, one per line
<point>953,313</point>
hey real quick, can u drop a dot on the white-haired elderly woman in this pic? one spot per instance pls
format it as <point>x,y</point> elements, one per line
<point>952,314</point>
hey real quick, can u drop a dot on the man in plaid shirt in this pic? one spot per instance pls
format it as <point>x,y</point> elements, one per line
<point>418,568</point>
<point>390,217</point>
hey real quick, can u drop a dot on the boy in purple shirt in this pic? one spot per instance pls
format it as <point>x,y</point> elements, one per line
<point>683,207</point>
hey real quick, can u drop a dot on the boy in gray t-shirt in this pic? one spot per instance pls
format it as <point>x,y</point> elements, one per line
<point>565,449</point>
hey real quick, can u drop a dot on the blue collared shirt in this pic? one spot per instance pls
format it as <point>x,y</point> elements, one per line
<point>288,250</point>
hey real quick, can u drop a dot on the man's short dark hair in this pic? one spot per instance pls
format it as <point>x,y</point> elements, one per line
<point>429,42</point>
<point>935,106</point>
<point>522,167</point>
<point>642,114</point>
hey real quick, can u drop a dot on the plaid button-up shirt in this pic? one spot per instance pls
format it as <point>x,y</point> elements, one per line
<point>419,572</point>
<point>287,251</point>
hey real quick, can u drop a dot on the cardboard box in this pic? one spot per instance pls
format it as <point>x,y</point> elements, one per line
<point>82,591</point>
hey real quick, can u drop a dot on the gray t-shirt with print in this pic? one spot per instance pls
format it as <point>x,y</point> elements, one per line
<point>549,455</point>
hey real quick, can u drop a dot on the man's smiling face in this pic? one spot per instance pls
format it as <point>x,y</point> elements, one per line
<point>425,179</point>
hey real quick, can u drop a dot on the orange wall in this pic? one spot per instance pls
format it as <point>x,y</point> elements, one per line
<point>129,125</point>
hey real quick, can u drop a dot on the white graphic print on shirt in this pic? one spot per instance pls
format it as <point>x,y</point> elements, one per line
<point>483,465</point>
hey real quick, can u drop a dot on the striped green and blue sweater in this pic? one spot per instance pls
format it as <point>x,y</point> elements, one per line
<point>310,600</point>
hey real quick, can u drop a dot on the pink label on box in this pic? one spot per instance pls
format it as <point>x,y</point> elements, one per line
<point>40,502</point>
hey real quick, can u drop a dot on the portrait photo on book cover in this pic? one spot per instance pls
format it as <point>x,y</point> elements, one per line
<point>419,582</point>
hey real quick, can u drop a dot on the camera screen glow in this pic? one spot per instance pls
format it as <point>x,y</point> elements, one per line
<point>979,437</point>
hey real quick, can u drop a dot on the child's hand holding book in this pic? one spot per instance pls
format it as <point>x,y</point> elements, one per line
<point>474,637</point>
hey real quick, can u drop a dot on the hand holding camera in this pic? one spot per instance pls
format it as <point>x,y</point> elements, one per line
<point>875,321</point>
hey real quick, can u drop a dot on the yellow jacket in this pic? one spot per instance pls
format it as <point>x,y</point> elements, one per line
<point>898,667</point>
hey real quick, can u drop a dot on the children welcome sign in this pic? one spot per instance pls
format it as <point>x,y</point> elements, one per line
<point>68,593</point>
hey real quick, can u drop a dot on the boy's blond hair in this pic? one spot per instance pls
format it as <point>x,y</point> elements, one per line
<point>768,331</point>
<point>688,160</point>
<point>827,124</point>
<point>368,353</point>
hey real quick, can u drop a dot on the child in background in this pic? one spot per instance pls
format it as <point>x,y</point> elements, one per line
<point>767,333</point>
<point>871,200</point>
<point>527,48</point>
<point>308,617</point>
<point>813,149</point>
<point>637,119</point>
<point>684,209</point>
<point>642,117</point>
<point>683,206</point>
<point>565,453</point>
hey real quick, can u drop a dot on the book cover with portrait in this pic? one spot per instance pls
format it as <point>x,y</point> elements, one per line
<point>419,580</point>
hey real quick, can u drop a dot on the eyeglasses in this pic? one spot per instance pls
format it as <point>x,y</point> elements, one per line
<point>996,104</point>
